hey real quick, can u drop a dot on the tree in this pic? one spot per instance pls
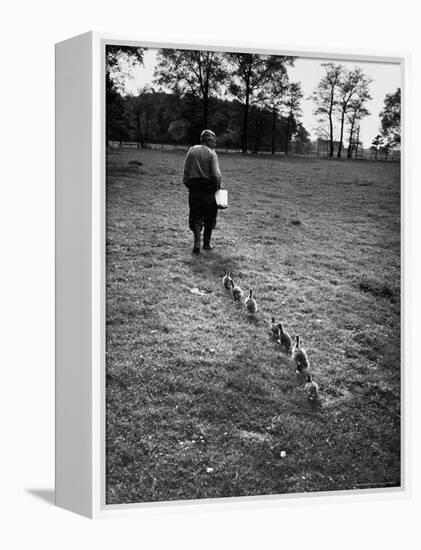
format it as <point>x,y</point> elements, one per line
<point>198,73</point>
<point>352,84</point>
<point>229,138</point>
<point>141,108</point>
<point>325,96</point>
<point>301,139</point>
<point>356,113</point>
<point>293,111</point>
<point>250,74</point>
<point>386,147</point>
<point>119,65</point>
<point>301,135</point>
<point>177,130</point>
<point>376,144</point>
<point>390,119</point>
<point>356,143</point>
<point>273,98</point>
<point>323,139</point>
<point>120,62</point>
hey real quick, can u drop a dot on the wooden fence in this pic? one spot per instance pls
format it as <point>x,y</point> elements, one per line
<point>301,151</point>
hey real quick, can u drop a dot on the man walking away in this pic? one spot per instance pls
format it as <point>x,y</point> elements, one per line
<point>202,178</point>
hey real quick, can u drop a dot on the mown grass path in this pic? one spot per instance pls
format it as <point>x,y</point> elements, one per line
<point>199,401</point>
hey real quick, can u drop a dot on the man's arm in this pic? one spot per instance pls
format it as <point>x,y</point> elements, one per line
<point>186,173</point>
<point>215,172</point>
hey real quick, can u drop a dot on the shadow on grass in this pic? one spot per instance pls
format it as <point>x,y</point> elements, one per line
<point>252,319</point>
<point>211,262</point>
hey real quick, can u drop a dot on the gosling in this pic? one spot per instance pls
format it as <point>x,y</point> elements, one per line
<point>311,388</point>
<point>236,292</point>
<point>299,357</point>
<point>250,304</point>
<point>274,330</point>
<point>226,280</point>
<point>284,339</point>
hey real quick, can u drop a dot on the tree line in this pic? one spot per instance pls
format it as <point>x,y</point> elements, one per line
<point>341,96</point>
<point>248,99</point>
<point>341,99</point>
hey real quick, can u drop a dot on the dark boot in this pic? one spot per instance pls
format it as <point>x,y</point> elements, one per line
<point>197,232</point>
<point>207,234</point>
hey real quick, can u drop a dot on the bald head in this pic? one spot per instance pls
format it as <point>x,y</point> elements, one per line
<point>207,137</point>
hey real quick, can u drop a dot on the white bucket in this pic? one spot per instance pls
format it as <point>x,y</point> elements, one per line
<point>221,198</point>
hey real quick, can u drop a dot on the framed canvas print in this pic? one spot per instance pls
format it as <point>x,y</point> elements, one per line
<point>228,313</point>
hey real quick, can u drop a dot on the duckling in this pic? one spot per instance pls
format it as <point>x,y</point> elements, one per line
<point>284,339</point>
<point>250,303</point>
<point>274,330</point>
<point>226,280</point>
<point>236,291</point>
<point>311,388</point>
<point>299,357</point>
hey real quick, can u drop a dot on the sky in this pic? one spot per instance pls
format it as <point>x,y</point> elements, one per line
<point>386,79</point>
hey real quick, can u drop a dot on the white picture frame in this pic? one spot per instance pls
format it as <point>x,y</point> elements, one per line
<point>80,277</point>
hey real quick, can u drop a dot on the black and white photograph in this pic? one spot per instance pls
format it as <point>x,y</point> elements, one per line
<point>253,274</point>
<point>211,264</point>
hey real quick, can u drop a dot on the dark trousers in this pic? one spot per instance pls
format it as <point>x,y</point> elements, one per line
<point>203,208</point>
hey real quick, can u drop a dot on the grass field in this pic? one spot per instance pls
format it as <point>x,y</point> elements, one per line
<point>200,403</point>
